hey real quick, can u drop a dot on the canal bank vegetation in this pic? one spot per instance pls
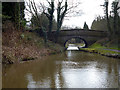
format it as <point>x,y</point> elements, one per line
<point>105,48</point>
<point>18,45</point>
<point>21,45</point>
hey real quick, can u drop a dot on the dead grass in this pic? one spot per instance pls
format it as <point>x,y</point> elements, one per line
<point>18,45</point>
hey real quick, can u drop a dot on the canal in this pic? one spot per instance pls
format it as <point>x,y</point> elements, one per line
<point>71,69</point>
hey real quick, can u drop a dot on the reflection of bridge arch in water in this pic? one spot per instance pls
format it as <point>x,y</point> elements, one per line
<point>75,41</point>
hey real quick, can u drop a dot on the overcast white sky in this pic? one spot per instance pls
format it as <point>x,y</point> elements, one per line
<point>90,9</point>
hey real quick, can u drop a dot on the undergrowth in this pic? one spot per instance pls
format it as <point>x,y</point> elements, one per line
<point>19,45</point>
<point>104,47</point>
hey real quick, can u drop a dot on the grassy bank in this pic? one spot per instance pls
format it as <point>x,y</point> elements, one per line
<point>105,48</point>
<point>20,46</point>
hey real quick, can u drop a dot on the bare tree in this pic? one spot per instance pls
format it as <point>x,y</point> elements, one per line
<point>107,17</point>
<point>62,8</point>
<point>33,9</point>
<point>65,9</point>
<point>62,12</point>
<point>49,14</point>
<point>115,9</point>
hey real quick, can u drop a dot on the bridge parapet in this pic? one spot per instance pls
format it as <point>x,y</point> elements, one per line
<point>82,32</point>
<point>90,36</point>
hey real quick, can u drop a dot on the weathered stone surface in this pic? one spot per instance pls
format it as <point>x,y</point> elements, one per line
<point>90,36</point>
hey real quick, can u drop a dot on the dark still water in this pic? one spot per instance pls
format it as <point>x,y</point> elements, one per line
<point>72,69</point>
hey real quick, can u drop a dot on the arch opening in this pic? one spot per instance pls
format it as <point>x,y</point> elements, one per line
<point>75,43</point>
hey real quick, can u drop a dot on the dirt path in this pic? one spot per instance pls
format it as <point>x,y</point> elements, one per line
<point>112,50</point>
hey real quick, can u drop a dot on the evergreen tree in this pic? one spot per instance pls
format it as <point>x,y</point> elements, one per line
<point>15,12</point>
<point>85,26</point>
<point>99,24</point>
<point>8,10</point>
<point>116,16</point>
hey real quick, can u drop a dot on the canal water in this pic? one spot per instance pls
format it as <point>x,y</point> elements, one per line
<point>72,69</point>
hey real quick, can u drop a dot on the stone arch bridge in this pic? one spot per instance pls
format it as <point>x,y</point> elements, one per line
<point>90,36</point>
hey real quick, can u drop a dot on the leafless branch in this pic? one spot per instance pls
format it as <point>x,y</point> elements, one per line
<point>32,8</point>
<point>48,2</point>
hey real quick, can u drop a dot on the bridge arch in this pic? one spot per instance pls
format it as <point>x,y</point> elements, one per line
<point>88,36</point>
<point>78,39</point>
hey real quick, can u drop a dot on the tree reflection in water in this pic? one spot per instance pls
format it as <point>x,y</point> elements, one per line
<point>72,69</point>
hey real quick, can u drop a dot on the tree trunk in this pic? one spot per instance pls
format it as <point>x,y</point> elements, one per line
<point>108,22</point>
